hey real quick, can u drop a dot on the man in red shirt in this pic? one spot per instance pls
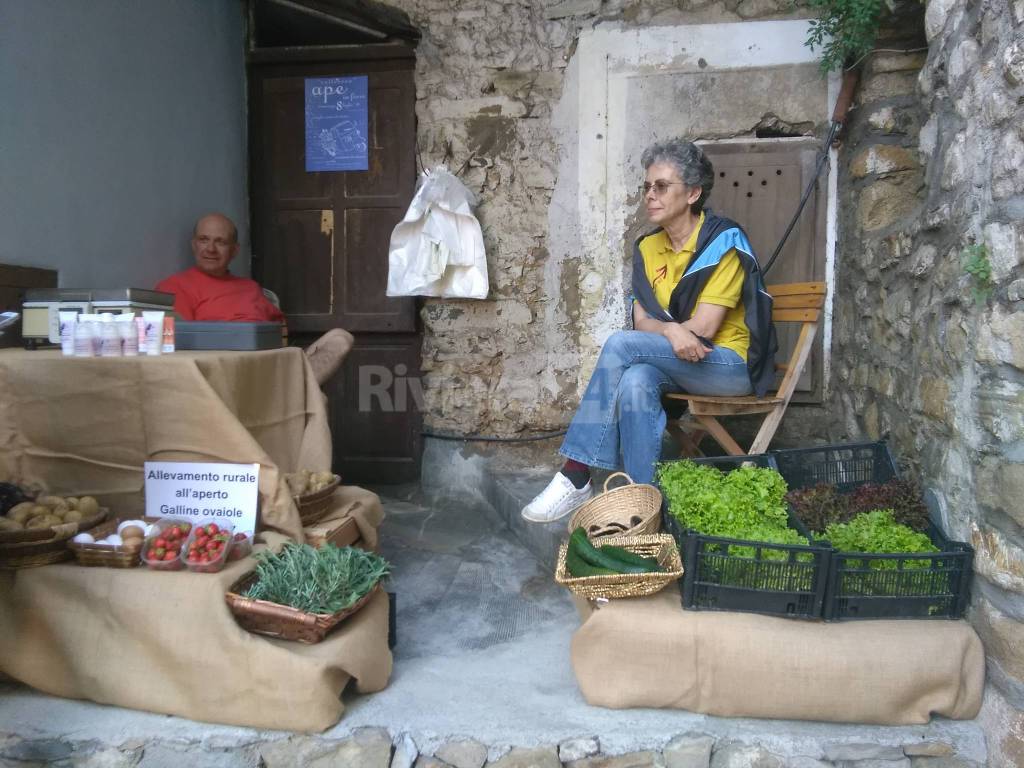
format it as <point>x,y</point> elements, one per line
<point>209,292</point>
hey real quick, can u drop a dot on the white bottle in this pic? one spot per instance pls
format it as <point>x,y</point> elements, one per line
<point>110,337</point>
<point>83,339</point>
<point>125,323</point>
<point>68,321</point>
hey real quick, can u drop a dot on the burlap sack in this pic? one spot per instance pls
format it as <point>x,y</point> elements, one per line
<point>166,642</point>
<point>86,426</point>
<point>648,652</point>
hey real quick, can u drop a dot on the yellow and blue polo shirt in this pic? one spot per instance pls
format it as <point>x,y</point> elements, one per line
<point>664,267</point>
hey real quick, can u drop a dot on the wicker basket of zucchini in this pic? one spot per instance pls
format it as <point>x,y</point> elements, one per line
<point>617,566</point>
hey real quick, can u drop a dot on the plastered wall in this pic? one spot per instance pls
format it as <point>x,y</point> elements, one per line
<point>120,123</point>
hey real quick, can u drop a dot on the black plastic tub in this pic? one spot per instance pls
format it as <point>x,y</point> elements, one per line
<point>932,585</point>
<point>845,466</point>
<point>774,579</point>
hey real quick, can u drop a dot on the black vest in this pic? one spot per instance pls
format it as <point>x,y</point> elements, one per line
<point>717,237</point>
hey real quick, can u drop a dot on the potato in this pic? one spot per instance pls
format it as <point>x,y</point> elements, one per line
<point>88,506</point>
<point>72,502</point>
<point>38,510</point>
<point>43,521</point>
<point>7,524</point>
<point>72,516</point>
<point>20,512</point>
<point>51,501</point>
<point>132,532</point>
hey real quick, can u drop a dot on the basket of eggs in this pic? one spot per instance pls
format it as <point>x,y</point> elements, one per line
<point>113,544</point>
<point>35,531</point>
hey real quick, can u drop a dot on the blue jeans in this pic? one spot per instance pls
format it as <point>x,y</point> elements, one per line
<point>621,412</point>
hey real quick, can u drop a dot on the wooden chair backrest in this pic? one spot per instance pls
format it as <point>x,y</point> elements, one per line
<point>797,302</point>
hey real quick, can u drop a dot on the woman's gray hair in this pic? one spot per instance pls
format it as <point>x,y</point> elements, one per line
<point>690,162</point>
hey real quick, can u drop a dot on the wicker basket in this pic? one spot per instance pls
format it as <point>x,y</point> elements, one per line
<point>631,509</point>
<point>67,530</point>
<point>313,506</point>
<point>660,546</point>
<point>105,556</point>
<point>31,554</point>
<point>282,621</point>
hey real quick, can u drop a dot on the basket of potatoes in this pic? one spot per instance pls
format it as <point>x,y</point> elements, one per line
<point>312,492</point>
<point>36,532</point>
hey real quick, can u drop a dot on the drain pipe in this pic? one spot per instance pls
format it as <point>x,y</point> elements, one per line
<point>843,101</point>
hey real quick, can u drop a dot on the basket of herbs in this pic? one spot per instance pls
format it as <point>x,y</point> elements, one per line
<point>302,593</point>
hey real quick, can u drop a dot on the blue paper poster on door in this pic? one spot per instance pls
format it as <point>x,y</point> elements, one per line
<point>337,132</point>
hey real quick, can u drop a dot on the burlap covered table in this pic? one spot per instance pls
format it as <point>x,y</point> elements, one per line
<point>85,425</point>
<point>648,652</point>
<point>166,642</point>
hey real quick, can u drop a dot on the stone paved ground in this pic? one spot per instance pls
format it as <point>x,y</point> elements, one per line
<point>481,676</point>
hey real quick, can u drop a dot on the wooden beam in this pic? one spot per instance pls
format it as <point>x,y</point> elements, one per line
<point>717,431</point>
<point>786,388</point>
<point>799,301</point>
<point>796,315</point>
<point>790,289</point>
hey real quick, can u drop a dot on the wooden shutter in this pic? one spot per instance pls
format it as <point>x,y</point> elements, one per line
<point>758,184</point>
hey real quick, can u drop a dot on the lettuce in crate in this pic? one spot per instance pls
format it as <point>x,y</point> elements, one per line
<point>746,503</point>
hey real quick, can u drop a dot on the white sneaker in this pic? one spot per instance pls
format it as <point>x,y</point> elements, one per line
<point>557,500</point>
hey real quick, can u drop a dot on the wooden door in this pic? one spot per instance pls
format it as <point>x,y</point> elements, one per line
<point>758,184</point>
<point>320,242</point>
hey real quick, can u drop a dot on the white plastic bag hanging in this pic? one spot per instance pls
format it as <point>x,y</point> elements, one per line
<point>438,248</point>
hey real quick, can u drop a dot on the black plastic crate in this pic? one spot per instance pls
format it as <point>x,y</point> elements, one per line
<point>844,466</point>
<point>776,579</point>
<point>932,585</point>
<point>876,586</point>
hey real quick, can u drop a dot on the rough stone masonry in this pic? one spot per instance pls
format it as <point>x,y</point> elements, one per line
<point>923,353</point>
<point>489,80</point>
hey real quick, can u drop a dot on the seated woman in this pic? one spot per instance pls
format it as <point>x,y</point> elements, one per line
<point>703,326</point>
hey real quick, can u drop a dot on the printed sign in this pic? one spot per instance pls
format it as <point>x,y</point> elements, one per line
<point>337,134</point>
<point>201,491</point>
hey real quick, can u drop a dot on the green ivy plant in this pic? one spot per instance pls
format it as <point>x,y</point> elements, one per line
<point>976,264</point>
<point>845,30</point>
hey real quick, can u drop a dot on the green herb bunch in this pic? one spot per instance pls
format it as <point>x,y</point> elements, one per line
<point>746,503</point>
<point>877,532</point>
<point>977,265</point>
<point>325,580</point>
<point>845,30</point>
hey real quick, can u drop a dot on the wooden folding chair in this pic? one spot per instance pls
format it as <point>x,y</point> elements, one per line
<point>793,303</point>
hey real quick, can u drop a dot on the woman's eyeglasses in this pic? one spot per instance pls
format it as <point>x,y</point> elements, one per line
<point>660,187</point>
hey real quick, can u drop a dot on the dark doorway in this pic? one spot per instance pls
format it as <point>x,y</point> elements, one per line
<point>320,239</point>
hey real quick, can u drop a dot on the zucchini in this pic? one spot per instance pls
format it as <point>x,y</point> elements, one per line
<point>619,553</point>
<point>579,567</point>
<point>590,554</point>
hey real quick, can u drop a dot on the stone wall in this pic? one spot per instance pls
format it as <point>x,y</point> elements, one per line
<point>933,164</point>
<point>930,165</point>
<point>377,748</point>
<point>490,79</point>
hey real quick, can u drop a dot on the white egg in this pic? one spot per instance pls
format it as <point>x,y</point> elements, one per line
<point>83,538</point>
<point>114,540</point>
<point>126,523</point>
